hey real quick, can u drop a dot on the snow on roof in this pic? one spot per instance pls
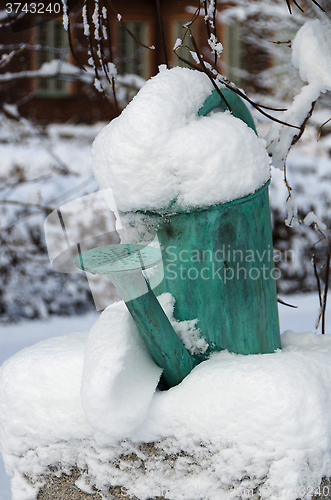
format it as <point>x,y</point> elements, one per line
<point>159,151</point>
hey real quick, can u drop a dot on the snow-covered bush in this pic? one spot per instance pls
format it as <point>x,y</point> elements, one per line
<point>41,170</point>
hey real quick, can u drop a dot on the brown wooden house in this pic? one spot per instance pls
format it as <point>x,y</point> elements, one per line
<point>28,43</point>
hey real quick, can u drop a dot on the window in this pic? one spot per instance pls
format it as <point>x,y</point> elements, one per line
<point>234,49</point>
<point>132,57</point>
<point>52,38</point>
<point>284,80</point>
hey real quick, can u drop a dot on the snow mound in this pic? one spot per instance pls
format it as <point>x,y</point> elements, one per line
<point>234,423</point>
<point>40,394</point>
<point>119,375</point>
<point>159,151</point>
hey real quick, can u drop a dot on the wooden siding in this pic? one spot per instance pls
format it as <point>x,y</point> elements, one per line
<point>84,103</point>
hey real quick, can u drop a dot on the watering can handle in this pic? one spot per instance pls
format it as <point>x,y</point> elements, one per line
<point>237,105</point>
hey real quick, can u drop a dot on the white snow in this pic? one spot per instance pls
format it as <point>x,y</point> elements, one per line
<point>71,398</point>
<point>311,51</point>
<point>215,45</point>
<point>98,85</point>
<point>312,218</point>
<point>65,17</point>
<point>119,375</point>
<point>85,21</point>
<point>112,71</point>
<point>186,330</point>
<point>158,151</point>
<point>311,54</point>
<point>236,422</point>
<point>49,377</point>
<point>95,19</point>
<point>178,43</point>
<point>16,337</point>
<point>195,56</point>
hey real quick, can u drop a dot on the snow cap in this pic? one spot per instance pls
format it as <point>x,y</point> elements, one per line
<point>159,151</point>
<point>311,54</point>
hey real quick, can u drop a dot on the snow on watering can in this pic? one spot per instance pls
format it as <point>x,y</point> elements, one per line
<point>218,265</point>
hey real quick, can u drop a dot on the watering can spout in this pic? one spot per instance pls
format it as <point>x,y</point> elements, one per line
<point>123,265</point>
<point>160,337</point>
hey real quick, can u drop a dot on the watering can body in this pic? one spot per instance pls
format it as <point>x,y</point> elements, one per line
<point>218,264</point>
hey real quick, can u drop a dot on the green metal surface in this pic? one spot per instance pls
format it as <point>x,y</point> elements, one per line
<point>218,264</point>
<point>237,106</point>
<point>162,341</point>
<point>118,259</point>
<point>123,264</point>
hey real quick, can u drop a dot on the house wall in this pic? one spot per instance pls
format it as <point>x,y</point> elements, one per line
<point>84,103</point>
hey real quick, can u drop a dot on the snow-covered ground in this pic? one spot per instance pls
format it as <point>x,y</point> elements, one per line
<point>15,337</point>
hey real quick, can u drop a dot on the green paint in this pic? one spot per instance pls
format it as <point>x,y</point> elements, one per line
<point>161,339</point>
<point>218,264</point>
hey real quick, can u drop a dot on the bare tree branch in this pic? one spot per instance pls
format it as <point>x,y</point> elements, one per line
<point>326,288</point>
<point>213,78</point>
<point>28,205</point>
<point>300,8</point>
<point>161,26</point>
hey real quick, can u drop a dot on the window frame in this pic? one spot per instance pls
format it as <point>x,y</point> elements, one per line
<point>234,51</point>
<point>146,53</point>
<point>52,87</point>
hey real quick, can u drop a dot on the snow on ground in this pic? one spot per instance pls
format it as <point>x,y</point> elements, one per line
<point>49,167</point>
<point>16,337</point>
<point>38,150</point>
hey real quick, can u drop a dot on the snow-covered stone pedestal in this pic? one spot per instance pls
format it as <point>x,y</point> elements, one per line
<point>235,425</point>
<point>64,488</point>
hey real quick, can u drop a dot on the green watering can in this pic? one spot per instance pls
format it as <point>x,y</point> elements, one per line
<point>218,265</point>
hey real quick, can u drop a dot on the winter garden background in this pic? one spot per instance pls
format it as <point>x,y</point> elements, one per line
<point>44,167</point>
